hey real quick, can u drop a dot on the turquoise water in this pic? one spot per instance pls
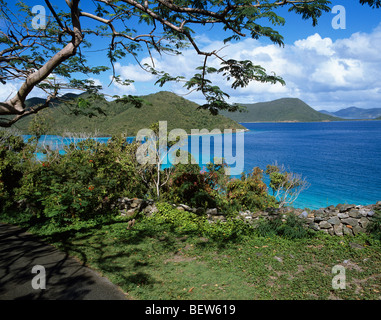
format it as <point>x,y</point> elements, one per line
<point>341,160</point>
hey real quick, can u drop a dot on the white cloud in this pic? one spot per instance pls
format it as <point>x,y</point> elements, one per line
<point>7,91</point>
<point>133,72</point>
<point>315,43</point>
<point>324,73</point>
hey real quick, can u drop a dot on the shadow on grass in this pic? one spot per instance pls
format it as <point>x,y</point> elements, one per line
<point>90,244</point>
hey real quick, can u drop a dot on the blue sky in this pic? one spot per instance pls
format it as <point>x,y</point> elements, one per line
<point>325,67</point>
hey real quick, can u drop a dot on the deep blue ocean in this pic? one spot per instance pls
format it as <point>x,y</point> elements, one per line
<point>340,160</point>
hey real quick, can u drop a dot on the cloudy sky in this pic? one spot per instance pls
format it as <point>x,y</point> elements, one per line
<point>326,67</point>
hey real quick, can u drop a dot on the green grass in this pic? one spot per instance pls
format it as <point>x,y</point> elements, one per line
<point>155,261</point>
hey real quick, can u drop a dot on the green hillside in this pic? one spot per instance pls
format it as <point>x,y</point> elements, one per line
<point>125,118</point>
<point>285,109</point>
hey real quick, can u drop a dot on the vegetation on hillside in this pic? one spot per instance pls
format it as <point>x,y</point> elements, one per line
<point>285,109</point>
<point>111,118</point>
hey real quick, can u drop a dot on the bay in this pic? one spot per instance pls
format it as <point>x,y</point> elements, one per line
<point>340,160</point>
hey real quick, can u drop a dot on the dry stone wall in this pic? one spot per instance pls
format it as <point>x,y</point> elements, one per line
<point>344,219</point>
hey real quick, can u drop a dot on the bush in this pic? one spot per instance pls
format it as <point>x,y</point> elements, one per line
<point>290,227</point>
<point>249,192</point>
<point>84,182</point>
<point>184,222</point>
<point>179,221</point>
<point>374,228</point>
<point>189,185</point>
<point>14,154</point>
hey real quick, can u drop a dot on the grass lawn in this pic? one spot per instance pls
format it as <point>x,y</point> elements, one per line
<point>155,261</point>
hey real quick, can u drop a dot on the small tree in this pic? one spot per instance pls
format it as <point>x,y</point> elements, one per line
<point>154,156</point>
<point>286,185</point>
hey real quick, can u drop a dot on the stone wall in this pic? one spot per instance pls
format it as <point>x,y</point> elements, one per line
<point>344,219</point>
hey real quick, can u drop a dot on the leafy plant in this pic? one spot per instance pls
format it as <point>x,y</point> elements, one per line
<point>286,185</point>
<point>249,192</point>
<point>290,227</point>
<point>84,182</point>
<point>14,154</point>
<point>374,228</point>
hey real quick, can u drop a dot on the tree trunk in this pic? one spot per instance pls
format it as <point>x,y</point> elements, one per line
<point>16,105</point>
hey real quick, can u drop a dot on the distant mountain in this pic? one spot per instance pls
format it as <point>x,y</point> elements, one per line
<point>285,109</point>
<point>355,113</point>
<point>327,112</point>
<point>125,118</point>
<point>55,102</point>
<point>358,113</point>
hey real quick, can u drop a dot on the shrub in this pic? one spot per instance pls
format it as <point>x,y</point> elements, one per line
<point>185,222</point>
<point>188,185</point>
<point>290,227</point>
<point>249,192</point>
<point>14,154</point>
<point>84,182</point>
<point>219,231</point>
<point>374,228</point>
<point>179,221</point>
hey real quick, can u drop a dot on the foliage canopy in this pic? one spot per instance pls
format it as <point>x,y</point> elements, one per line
<point>50,55</point>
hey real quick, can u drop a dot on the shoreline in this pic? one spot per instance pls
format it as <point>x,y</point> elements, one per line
<point>311,121</point>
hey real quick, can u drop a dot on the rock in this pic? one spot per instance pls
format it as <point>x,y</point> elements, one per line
<point>371,213</point>
<point>180,208</point>
<point>364,222</point>
<point>363,212</point>
<point>354,213</point>
<point>273,211</point>
<point>150,210</point>
<point>343,215</point>
<point>136,203</point>
<point>304,214</point>
<point>278,259</point>
<point>309,221</point>
<point>346,207</point>
<point>212,211</point>
<point>324,225</point>
<point>357,229</point>
<point>185,207</point>
<point>338,229</point>
<point>314,226</point>
<point>147,209</point>
<point>219,218</point>
<point>350,221</point>
<point>378,204</point>
<point>129,213</point>
<point>347,231</point>
<point>330,208</point>
<point>318,218</point>
<point>331,232</point>
<point>356,245</point>
<point>334,221</point>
